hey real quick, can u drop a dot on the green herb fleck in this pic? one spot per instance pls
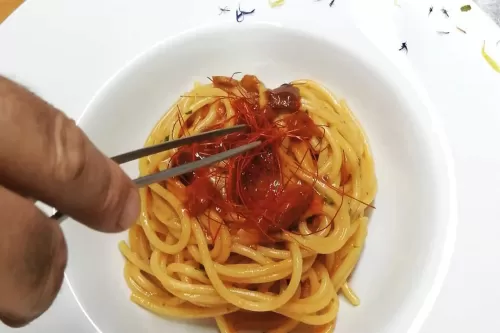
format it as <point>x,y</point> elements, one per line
<point>328,200</point>
<point>167,138</point>
<point>189,112</point>
<point>465,8</point>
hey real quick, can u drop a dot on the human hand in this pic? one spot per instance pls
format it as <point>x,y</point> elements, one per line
<point>45,156</point>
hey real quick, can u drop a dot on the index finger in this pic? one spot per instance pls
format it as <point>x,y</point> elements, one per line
<point>43,154</point>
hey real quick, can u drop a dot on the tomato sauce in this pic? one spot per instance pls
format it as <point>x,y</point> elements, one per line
<point>300,124</point>
<point>284,98</point>
<point>254,187</point>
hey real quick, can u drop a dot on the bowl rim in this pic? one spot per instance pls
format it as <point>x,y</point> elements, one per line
<point>388,70</point>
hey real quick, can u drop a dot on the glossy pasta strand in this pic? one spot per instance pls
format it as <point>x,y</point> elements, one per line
<point>182,266</point>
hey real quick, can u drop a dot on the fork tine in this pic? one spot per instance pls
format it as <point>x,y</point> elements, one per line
<point>182,169</point>
<point>138,153</point>
<point>188,167</point>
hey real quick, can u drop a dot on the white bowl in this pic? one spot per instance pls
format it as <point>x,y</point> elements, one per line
<point>408,232</point>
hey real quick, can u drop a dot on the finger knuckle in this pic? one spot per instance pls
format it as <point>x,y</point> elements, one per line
<point>69,153</point>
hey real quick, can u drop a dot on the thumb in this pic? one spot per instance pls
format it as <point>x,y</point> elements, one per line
<point>44,155</point>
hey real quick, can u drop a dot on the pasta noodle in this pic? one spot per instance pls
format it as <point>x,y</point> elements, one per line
<point>266,240</point>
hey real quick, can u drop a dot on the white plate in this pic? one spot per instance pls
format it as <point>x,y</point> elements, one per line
<point>403,168</point>
<point>408,146</point>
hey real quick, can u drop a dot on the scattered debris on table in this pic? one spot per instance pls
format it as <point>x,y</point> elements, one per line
<point>276,3</point>
<point>489,59</point>
<point>404,47</point>
<point>465,8</point>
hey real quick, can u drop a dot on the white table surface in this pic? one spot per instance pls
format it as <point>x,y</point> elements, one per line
<point>65,50</point>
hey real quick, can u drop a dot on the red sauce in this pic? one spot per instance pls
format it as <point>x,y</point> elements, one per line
<point>250,83</point>
<point>247,113</point>
<point>200,195</point>
<point>195,153</point>
<point>260,178</point>
<point>274,205</point>
<point>193,118</point>
<point>221,110</point>
<point>302,125</point>
<point>284,98</point>
<point>292,203</point>
<point>253,186</point>
<point>224,82</point>
<point>269,113</point>
<point>316,207</point>
<point>202,113</point>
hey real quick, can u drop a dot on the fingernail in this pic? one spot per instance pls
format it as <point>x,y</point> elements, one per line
<point>131,210</point>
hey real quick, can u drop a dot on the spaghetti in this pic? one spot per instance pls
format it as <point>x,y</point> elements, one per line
<point>265,240</point>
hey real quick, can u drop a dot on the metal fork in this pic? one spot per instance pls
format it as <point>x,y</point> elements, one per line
<point>181,169</point>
